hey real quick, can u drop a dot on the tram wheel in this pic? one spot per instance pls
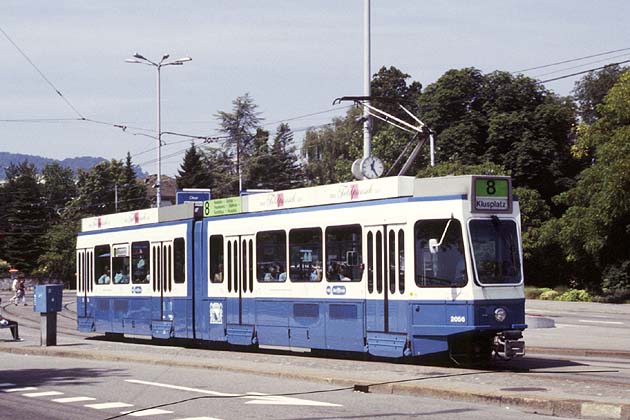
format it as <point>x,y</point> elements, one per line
<point>471,350</point>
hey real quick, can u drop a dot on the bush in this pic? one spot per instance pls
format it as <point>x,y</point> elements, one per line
<point>532,292</point>
<point>548,294</point>
<point>618,296</point>
<point>575,295</point>
<point>616,278</point>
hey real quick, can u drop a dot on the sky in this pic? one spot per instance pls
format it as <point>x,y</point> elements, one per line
<point>293,57</point>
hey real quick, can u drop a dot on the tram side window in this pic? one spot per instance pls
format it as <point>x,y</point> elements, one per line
<point>271,256</point>
<point>215,262</point>
<point>343,253</point>
<point>443,265</point>
<point>305,253</point>
<point>102,272</point>
<point>140,262</point>
<point>120,264</point>
<point>179,260</point>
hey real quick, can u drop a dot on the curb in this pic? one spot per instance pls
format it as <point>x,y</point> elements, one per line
<point>546,406</point>
<point>537,321</point>
<point>580,352</point>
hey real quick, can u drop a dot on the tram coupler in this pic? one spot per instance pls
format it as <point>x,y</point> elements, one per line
<point>508,344</point>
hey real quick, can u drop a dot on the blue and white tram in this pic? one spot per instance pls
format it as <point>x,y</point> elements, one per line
<point>393,267</point>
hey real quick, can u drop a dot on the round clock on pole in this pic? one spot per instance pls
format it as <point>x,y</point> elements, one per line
<point>372,167</point>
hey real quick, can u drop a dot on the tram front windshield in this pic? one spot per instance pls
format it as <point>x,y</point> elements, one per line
<point>496,251</point>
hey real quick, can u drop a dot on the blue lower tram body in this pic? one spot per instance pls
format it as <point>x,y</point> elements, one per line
<point>411,328</point>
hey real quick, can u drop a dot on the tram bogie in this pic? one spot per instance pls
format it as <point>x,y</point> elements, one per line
<point>392,267</point>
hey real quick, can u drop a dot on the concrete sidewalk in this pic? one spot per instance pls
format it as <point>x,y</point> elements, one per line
<point>550,386</point>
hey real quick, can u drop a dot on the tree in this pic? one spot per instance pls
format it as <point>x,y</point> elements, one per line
<point>222,171</point>
<point>58,250</point>
<point>510,120</point>
<point>391,85</point>
<point>591,90</point>
<point>193,172</point>
<point>132,194</point>
<point>288,171</point>
<point>595,229</point>
<point>26,217</point>
<point>261,165</point>
<point>58,189</point>
<point>240,126</point>
<point>330,151</point>
<point>97,188</point>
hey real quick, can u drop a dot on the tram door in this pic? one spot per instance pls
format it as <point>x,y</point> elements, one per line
<point>162,280</point>
<point>385,265</point>
<point>239,256</point>
<point>85,273</point>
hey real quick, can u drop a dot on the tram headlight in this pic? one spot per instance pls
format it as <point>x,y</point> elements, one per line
<point>500,314</point>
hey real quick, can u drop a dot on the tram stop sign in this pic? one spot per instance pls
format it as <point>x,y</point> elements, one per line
<point>491,194</point>
<point>193,195</point>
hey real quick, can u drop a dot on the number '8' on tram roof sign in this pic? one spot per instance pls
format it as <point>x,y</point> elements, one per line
<point>491,194</point>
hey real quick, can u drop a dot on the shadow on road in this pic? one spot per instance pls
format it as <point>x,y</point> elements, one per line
<point>46,377</point>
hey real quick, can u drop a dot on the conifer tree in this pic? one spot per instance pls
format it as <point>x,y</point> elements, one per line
<point>25,216</point>
<point>193,172</point>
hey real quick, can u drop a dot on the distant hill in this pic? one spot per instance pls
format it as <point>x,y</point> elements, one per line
<point>82,162</point>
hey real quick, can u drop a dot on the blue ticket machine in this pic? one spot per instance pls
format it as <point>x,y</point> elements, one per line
<point>47,301</point>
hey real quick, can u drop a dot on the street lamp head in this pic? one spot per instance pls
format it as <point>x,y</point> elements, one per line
<point>136,55</point>
<point>132,60</point>
<point>165,56</point>
<point>183,59</point>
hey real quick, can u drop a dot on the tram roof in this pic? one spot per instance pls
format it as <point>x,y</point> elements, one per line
<point>364,190</point>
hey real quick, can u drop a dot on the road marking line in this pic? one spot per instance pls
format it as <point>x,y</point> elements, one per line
<point>147,412</point>
<point>181,388</point>
<point>601,322</point>
<point>27,388</point>
<point>42,394</point>
<point>6,384</point>
<point>198,418</point>
<point>103,406</point>
<point>257,397</point>
<point>265,399</point>
<point>73,399</point>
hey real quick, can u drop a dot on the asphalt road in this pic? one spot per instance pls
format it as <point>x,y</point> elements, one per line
<point>53,388</point>
<point>580,325</point>
<point>553,379</point>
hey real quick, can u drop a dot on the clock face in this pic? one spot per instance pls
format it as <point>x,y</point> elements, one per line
<point>372,167</point>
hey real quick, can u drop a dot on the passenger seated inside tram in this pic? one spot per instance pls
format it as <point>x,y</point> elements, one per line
<point>104,278</point>
<point>121,277</point>
<point>315,273</point>
<point>282,276</point>
<point>218,276</point>
<point>271,273</point>
<point>337,272</point>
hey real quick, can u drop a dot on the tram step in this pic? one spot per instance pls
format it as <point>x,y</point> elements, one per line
<point>241,335</point>
<point>162,329</point>
<point>386,344</point>
<point>85,324</point>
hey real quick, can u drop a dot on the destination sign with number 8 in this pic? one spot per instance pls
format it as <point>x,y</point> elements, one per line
<point>491,195</point>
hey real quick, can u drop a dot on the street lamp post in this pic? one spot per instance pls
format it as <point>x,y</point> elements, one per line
<point>139,59</point>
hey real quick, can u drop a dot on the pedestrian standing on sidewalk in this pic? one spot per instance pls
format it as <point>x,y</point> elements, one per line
<point>11,324</point>
<point>21,291</point>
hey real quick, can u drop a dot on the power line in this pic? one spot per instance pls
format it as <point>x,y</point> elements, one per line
<point>585,71</point>
<point>580,65</point>
<point>42,74</point>
<point>571,60</point>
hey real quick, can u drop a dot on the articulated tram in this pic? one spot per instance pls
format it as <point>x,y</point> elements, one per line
<point>392,267</point>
